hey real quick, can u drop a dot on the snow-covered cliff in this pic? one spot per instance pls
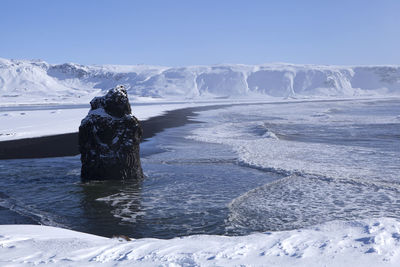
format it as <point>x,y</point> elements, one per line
<point>39,82</point>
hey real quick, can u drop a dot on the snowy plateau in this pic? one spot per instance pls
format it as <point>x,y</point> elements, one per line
<point>33,82</point>
<point>37,99</point>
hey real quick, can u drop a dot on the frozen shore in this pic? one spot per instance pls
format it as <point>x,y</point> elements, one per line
<point>368,242</point>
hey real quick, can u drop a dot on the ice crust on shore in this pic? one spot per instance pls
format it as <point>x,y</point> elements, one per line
<point>373,242</point>
<point>23,81</point>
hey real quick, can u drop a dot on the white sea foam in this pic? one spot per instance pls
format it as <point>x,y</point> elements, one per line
<point>303,137</point>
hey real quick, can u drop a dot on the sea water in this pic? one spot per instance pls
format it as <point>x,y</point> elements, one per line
<point>242,169</point>
<point>340,159</point>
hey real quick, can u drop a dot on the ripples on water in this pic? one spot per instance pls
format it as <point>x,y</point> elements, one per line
<point>206,188</point>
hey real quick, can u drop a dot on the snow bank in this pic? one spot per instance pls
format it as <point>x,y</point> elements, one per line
<point>40,82</point>
<point>357,243</point>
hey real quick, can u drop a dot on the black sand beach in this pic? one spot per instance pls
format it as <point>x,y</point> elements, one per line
<point>67,144</point>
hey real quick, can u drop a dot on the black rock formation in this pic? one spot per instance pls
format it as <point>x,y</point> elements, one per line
<point>109,138</point>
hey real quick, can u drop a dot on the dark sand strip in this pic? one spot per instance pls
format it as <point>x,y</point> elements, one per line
<point>67,144</point>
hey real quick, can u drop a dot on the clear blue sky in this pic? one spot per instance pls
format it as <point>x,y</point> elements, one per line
<point>189,32</point>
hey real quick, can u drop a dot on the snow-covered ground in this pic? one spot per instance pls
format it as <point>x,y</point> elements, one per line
<point>358,243</point>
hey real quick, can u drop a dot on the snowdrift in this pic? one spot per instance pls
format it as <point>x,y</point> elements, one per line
<point>358,243</point>
<point>39,82</point>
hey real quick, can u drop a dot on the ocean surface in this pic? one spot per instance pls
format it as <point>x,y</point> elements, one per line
<point>243,169</point>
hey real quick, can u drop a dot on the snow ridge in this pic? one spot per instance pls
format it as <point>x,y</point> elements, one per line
<point>37,81</point>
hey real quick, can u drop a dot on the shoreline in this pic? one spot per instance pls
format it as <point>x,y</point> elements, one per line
<point>63,145</point>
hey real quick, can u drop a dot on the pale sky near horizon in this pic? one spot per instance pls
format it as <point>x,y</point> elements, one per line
<point>179,33</point>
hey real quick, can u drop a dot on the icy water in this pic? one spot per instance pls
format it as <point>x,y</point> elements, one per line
<point>244,169</point>
<point>187,190</point>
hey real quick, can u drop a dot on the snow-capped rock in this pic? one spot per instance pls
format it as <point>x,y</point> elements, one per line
<point>109,138</point>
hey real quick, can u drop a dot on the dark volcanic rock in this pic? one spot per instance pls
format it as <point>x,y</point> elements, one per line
<point>109,138</point>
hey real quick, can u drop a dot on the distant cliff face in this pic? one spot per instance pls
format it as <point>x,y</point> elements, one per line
<point>21,80</point>
<point>109,138</point>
